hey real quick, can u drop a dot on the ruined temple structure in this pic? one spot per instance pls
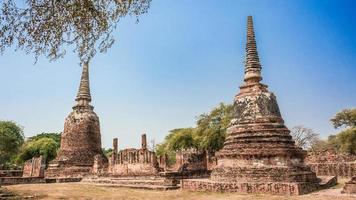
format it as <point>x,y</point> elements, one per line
<point>34,167</point>
<point>131,167</point>
<point>133,162</point>
<point>259,154</point>
<point>331,163</point>
<point>190,163</point>
<point>80,140</point>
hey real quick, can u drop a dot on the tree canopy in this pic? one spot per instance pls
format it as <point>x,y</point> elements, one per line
<point>43,144</point>
<point>209,133</point>
<point>346,118</point>
<point>49,27</point>
<point>11,139</point>
<point>211,128</point>
<point>344,141</point>
<point>46,147</point>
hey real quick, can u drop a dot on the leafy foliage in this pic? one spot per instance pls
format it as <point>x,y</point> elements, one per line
<point>211,128</point>
<point>48,27</point>
<point>11,139</point>
<point>47,147</point>
<point>209,133</point>
<point>107,152</point>
<point>346,118</point>
<point>345,141</point>
<point>181,138</point>
<point>55,136</point>
<point>45,144</point>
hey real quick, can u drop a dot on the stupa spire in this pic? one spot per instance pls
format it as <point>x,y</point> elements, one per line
<point>83,97</point>
<point>252,62</point>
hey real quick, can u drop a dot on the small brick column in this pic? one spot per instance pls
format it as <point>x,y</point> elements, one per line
<point>143,141</point>
<point>115,145</point>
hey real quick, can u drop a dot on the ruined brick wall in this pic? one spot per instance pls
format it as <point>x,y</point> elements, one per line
<point>275,188</point>
<point>10,173</point>
<point>34,167</point>
<point>100,165</point>
<point>329,163</point>
<point>134,162</point>
<point>163,162</point>
<point>212,161</point>
<point>190,160</point>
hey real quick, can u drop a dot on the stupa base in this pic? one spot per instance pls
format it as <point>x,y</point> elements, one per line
<point>274,188</point>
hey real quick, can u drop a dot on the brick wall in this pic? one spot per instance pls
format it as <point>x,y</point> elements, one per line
<point>329,163</point>
<point>34,167</point>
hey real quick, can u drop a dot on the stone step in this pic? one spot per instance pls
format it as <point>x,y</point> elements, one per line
<point>126,181</point>
<point>140,186</point>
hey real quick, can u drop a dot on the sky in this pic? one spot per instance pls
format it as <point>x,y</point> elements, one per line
<point>185,57</point>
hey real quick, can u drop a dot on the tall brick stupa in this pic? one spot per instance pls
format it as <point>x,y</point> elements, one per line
<point>259,154</point>
<point>81,139</point>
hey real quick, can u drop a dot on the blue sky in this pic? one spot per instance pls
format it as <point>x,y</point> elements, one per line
<point>184,57</point>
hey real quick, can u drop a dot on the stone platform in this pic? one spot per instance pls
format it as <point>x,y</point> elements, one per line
<point>140,182</point>
<point>21,180</point>
<point>66,172</point>
<point>274,188</point>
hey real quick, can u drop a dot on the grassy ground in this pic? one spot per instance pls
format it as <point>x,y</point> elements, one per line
<point>86,191</point>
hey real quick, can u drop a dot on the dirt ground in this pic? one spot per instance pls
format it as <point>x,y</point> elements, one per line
<point>87,191</point>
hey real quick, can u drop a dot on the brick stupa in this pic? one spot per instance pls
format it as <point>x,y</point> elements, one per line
<point>259,154</point>
<point>81,139</point>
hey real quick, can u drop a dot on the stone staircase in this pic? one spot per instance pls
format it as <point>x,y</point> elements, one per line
<point>153,183</point>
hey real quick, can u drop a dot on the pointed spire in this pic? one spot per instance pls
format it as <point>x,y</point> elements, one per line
<point>83,97</point>
<point>252,65</point>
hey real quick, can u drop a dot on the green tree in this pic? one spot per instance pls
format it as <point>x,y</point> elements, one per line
<point>43,146</point>
<point>209,133</point>
<point>181,138</point>
<point>211,128</point>
<point>107,152</point>
<point>11,139</point>
<point>55,136</point>
<point>49,27</point>
<point>347,139</point>
<point>177,139</point>
<point>346,118</point>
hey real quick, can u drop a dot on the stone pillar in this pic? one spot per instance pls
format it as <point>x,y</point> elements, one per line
<point>114,154</point>
<point>143,141</point>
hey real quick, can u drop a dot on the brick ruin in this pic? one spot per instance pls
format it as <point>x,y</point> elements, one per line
<point>81,139</point>
<point>133,162</point>
<point>330,163</point>
<point>34,167</point>
<point>190,163</point>
<point>33,172</point>
<point>259,154</point>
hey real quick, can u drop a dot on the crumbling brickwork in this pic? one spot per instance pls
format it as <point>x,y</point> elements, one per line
<point>275,188</point>
<point>190,160</point>
<point>11,173</point>
<point>133,162</point>
<point>330,163</point>
<point>259,154</point>
<point>81,139</point>
<point>34,167</point>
